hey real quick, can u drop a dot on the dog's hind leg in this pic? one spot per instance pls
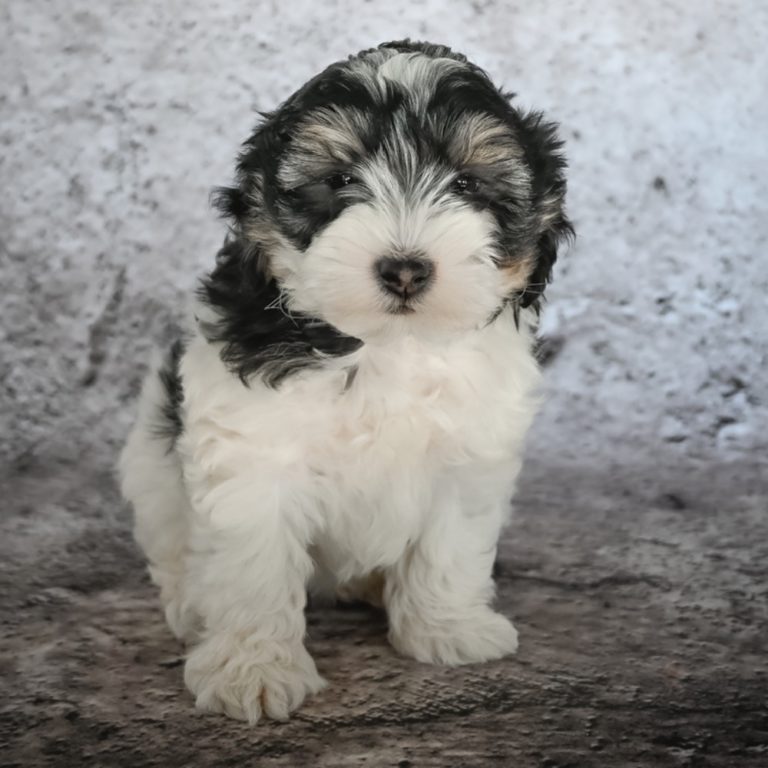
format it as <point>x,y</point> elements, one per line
<point>151,479</point>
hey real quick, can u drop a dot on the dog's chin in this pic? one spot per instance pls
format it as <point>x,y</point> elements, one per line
<point>400,320</point>
<point>402,308</point>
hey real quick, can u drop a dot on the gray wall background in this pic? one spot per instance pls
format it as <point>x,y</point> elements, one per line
<point>118,119</point>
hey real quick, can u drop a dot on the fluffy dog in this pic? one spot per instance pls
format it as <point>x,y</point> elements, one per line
<point>351,405</point>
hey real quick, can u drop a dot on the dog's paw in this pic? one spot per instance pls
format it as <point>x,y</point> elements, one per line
<point>477,637</point>
<point>251,679</point>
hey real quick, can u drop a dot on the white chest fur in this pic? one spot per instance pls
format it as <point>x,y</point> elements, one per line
<point>360,447</point>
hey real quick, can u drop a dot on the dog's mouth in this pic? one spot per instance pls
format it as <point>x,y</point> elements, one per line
<point>402,307</point>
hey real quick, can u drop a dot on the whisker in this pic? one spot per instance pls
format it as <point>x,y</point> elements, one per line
<point>279,304</point>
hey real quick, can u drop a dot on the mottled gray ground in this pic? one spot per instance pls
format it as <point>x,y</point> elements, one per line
<point>636,566</point>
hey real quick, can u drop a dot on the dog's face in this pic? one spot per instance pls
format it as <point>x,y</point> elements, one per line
<point>400,192</point>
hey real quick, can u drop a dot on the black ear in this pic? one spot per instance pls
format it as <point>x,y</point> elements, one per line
<point>546,256</point>
<point>543,152</point>
<point>256,168</point>
<point>258,335</point>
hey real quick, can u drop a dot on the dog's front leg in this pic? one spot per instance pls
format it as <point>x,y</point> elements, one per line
<point>248,569</point>
<point>438,595</point>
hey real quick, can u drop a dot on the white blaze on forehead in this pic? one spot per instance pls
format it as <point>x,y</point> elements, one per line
<point>388,180</point>
<point>417,74</point>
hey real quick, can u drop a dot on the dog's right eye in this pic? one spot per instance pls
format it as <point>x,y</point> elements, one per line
<point>464,184</point>
<point>339,180</point>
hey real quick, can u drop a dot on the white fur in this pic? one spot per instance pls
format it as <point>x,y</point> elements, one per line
<point>408,472</point>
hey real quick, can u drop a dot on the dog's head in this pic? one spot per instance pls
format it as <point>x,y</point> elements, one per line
<point>396,192</point>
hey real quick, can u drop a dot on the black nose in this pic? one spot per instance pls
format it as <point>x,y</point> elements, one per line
<point>404,278</point>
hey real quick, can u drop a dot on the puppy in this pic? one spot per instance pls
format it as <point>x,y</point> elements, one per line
<point>351,405</point>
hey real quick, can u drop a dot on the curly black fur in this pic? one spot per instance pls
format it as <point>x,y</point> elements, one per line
<point>258,335</point>
<point>170,423</point>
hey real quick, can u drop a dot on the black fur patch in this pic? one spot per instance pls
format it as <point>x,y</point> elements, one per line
<point>543,150</point>
<point>170,423</point>
<point>258,334</point>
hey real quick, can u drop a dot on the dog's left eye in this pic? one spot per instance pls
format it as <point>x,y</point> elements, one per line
<point>339,180</point>
<point>464,184</point>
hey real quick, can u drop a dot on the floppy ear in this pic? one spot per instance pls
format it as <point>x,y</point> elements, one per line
<point>257,334</point>
<point>255,164</point>
<point>256,190</point>
<point>545,159</point>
